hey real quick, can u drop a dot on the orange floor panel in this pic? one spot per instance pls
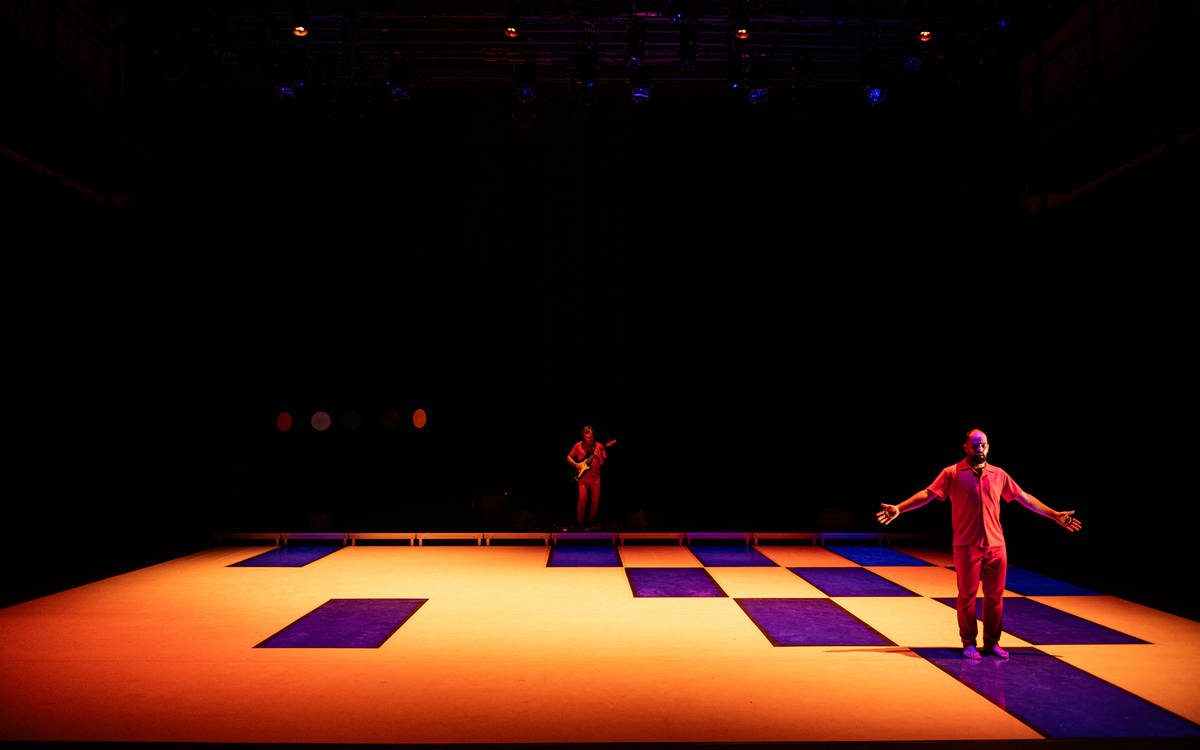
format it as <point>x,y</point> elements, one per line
<point>507,650</point>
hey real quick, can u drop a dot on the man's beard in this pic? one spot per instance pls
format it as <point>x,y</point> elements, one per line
<point>976,459</point>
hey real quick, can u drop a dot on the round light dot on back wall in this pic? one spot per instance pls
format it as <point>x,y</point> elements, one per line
<point>391,419</point>
<point>321,421</point>
<point>419,418</point>
<point>351,420</point>
<point>284,421</point>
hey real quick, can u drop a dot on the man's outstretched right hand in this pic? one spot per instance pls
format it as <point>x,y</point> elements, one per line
<point>888,514</point>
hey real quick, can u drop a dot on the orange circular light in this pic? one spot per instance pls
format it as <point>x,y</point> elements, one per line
<point>925,36</point>
<point>300,31</point>
<point>510,31</point>
<point>419,418</point>
<point>742,34</point>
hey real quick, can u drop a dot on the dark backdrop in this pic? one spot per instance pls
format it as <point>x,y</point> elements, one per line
<point>772,318</point>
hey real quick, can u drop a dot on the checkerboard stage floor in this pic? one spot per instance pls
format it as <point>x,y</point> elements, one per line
<point>628,644</point>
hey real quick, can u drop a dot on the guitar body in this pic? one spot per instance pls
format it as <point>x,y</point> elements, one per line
<point>583,468</point>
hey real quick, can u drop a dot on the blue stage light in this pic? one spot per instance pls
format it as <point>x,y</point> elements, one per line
<point>525,82</point>
<point>876,95</point>
<point>287,92</point>
<point>640,84</point>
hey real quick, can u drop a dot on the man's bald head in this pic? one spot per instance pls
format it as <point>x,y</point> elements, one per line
<point>976,447</point>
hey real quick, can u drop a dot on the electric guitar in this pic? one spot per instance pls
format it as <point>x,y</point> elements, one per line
<point>583,467</point>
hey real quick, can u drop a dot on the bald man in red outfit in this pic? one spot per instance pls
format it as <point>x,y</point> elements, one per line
<point>975,489</point>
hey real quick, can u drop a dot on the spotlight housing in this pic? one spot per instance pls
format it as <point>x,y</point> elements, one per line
<point>586,63</point>
<point>689,40</point>
<point>512,17</point>
<point>741,19</point>
<point>733,64</point>
<point>636,41</point>
<point>758,83</point>
<point>525,82</point>
<point>640,85</point>
<point>299,31</point>
<point>399,82</point>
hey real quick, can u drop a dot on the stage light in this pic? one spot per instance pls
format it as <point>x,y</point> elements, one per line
<point>525,82</point>
<point>640,85</point>
<point>689,40</point>
<point>758,83</point>
<point>399,82</point>
<point>840,12</point>
<point>741,19</point>
<point>391,419</point>
<point>912,62</point>
<point>287,92</point>
<point>733,65</point>
<point>511,17</point>
<point>586,64</point>
<point>299,19</point>
<point>419,418</point>
<point>636,42</point>
<point>679,10</point>
<point>289,83</point>
<point>284,421</point>
<point>872,73</point>
<point>321,421</point>
<point>925,36</point>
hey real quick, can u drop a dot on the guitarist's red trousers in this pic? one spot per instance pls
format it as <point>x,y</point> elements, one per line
<point>589,482</point>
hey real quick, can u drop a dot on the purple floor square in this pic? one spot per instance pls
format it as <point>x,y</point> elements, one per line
<point>1057,699</point>
<point>346,623</point>
<point>584,557</point>
<point>1037,623</point>
<point>737,556</point>
<point>286,557</point>
<point>809,622</point>
<point>877,556</point>
<point>1026,583</point>
<point>676,582</point>
<point>850,582</point>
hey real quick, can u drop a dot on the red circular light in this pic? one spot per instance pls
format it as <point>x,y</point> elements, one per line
<point>300,31</point>
<point>925,36</point>
<point>510,31</point>
<point>284,421</point>
<point>742,33</point>
<point>419,418</point>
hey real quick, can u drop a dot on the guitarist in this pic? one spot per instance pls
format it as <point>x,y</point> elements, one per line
<point>587,457</point>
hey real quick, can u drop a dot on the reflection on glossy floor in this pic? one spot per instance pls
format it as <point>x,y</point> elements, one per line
<point>495,645</point>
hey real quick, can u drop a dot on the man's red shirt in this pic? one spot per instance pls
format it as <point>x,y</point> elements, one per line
<point>975,501</point>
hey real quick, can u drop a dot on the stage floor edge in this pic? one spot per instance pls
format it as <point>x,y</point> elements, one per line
<point>506,649</point>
